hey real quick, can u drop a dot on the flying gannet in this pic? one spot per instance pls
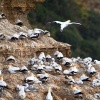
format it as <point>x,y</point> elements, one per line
<point>64,24</point>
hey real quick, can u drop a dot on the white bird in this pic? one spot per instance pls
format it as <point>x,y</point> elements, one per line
<point>64,24</point>
<point>49,95</point>
<point>14,37</point>
<point>42,56</point>
<point>22,93</point>
<point>2,82</point>
<point>59,56</point>
<point>91,70</point>
<point>11,58</point>
<point>19,23</point>
<point>97,95</point>
<point>77,90</point>
<point>58,68</point>
<point>43,77</point>
<point>97,62</point>
<point>24,69</point>
<point>70,79</point>
<point>48,58</point>
<point>32,78</point>
<point>95,82</point>
<point>66,61</point>
<point>78,81</point>
<point>12,69</point>
<point>22,35</point>
<point>84,77</point>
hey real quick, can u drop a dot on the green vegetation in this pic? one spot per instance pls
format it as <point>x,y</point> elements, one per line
<point>84,39</point>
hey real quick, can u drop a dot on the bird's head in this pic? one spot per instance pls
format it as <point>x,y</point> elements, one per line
<point>1,77</point>
<point>49,89</point>
<point>69,21</point>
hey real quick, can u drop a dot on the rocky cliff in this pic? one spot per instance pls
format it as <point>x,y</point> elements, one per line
<point>18,9</point>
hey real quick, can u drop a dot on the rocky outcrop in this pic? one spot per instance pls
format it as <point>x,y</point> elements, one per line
<point>18,9</point>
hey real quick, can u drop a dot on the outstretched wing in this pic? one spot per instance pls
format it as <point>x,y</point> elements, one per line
<point>75,23</point>
<point>58,22</point>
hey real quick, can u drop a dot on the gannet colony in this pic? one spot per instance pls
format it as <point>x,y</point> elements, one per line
<point>43,75</point>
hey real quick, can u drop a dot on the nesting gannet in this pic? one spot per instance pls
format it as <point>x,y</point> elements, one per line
<point>42,56</point>
<point>56,53</point>
<point>22,35</point>
<point>87,60</point>
<point>70,79</point>
<point>43,77</point>
<point>97,95</point>
<point>77,91</point>
<point>40,68</point>
<point>73,70</point>
<point>22,93</point>
<point>12,69</point>
<point>97,62</point>
<point>24,69</point>
<point>48,58</point>
<point>11,58</point>
<point>2,82</point>
<point>14,37</point>
<point>49,95</point>
<point>84,77</point>
<point>78,81</point>
<point>58,68</point>
<point>91,70</point>
<point>19,23</point>
<point>2,36</point>
<point>95,82</point>
<point>59,56</point>
<point>66,61</point>
<point>32,78</point>
<point>31,62</point>
<point>64,24</point>
<point>38,31</point>
<point>2,16</point>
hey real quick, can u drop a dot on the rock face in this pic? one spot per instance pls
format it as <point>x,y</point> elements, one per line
<point>18,9</point>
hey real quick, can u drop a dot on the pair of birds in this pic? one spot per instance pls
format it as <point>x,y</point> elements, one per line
<point>64,24</point>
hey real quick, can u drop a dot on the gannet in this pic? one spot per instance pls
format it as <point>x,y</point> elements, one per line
<point>97,95</point>
<point>58,68</point>
<point>91,70</point>
<point>95,82</point>
<point>11,58</point>
<point>78,81</point>
<point>97,62</point>
<point>40,68</point>
<point>43,77</point>
<point>84,77</point>
<point>2,83</point>
<point>19,23</point>
<point>70,79</point>
<point>24,69</point>
<point>32,78</point>
<point>2,36</point>
<point>59,56</point>
<point>12,69</point>
<point>14,37</point>
<point>66,61</point>
<point>22,35</point>
<point>42,56</point>
<point>22,93</point>
<point>48,58</point>
<point>2,16</point>
<point>73,70</point>
<point>77,91</point>
<point>31,62</point>
<point>64,24</point>
<point>56,53</point>
<point>49,95</point>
